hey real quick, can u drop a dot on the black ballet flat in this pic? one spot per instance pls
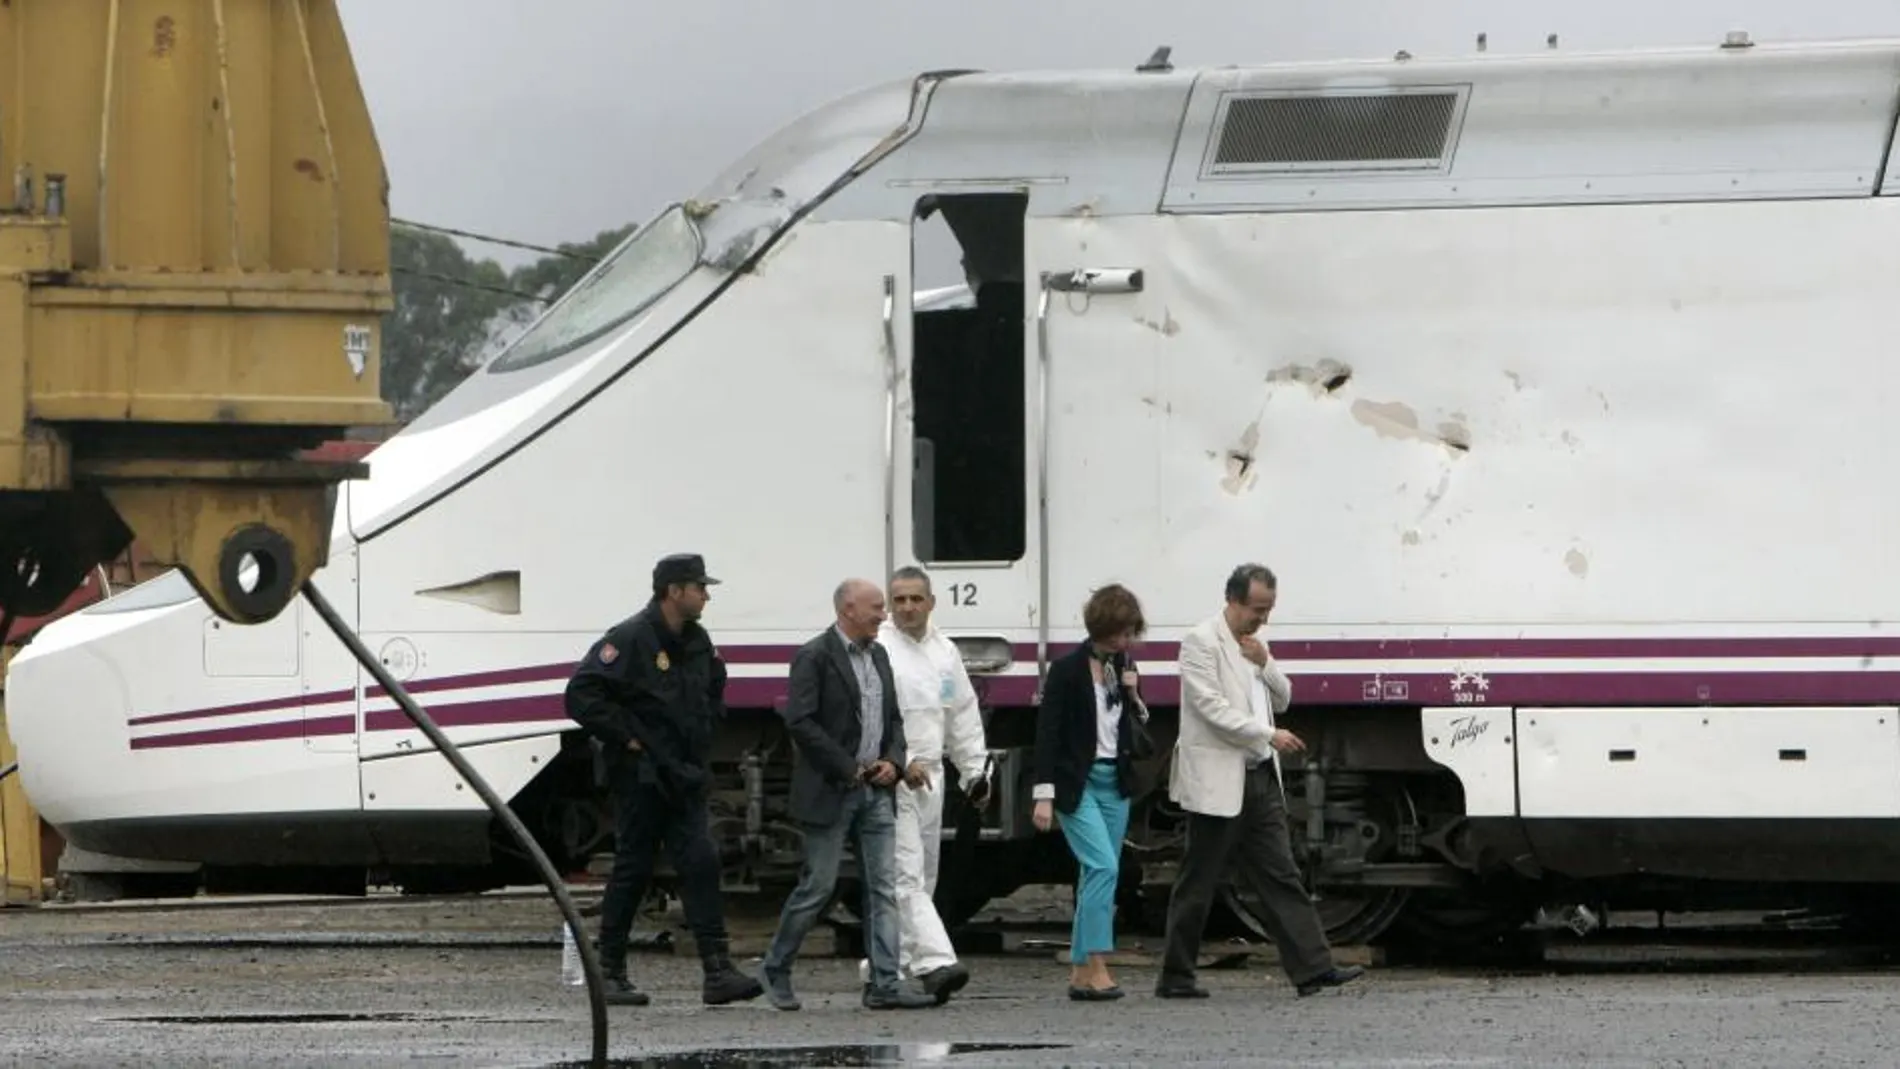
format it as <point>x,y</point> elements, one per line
<point>1092,994</point>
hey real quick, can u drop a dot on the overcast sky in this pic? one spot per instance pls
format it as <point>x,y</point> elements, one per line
<point>550,120</point>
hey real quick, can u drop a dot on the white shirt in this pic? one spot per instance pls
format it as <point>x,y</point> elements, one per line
<point>936,699</point>
<point>1262,710</point>
<point>1107,724</point>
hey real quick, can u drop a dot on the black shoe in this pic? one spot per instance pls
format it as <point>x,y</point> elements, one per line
<point>1094,994</point>
<point>905,996</point>
<point>1174,988</point>
<point>619,991</point>
<point>941,983</point>
<point>1331,978</point>
<point>726,984</point>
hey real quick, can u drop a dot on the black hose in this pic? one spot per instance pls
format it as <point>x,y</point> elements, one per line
<point>590,961</point>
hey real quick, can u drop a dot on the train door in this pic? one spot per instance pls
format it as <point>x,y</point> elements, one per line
<point>965,507</point>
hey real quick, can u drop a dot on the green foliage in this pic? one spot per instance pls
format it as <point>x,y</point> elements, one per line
<point>435,334</point>
<point>453,313</point>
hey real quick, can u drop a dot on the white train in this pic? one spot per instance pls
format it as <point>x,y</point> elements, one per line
<point>1556,389</point>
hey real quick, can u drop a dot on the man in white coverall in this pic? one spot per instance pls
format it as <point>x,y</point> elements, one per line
<point>940,719</point>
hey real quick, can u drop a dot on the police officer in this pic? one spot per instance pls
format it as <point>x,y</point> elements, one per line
<point>650,692</point>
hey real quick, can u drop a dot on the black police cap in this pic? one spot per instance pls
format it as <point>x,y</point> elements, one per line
<point>682,568</point>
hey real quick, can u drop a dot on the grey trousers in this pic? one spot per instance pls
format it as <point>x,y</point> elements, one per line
<point>1261,845</point>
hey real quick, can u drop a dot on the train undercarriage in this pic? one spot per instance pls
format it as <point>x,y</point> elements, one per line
<point>1378,829</point>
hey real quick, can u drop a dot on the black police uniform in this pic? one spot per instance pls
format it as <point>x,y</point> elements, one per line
<point>642,681</point>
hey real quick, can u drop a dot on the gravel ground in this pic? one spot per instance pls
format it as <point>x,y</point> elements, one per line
<point>476,982</point>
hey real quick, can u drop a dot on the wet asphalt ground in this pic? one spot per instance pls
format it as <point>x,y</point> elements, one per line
<point>476,982</point>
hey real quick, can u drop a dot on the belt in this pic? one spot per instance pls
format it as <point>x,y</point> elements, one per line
<point>1105,760</point>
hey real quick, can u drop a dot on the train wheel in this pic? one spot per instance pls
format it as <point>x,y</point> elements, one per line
<point>1349,915</point>
<point>1350,919</point>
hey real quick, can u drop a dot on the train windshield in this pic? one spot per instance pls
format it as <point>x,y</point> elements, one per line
<point>650,262</point>
<point>658,278</point>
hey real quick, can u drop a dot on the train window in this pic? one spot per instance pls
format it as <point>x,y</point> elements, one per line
<point>968,482</point>
<point>638,273</point>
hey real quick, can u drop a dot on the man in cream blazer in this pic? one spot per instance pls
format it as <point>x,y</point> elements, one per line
<point>1226,775</point>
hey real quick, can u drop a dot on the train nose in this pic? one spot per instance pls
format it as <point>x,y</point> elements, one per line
<point>66,711</point>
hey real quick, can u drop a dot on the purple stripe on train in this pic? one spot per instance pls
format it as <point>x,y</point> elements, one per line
<point>263,706</point>
<point>1398,690</point>
<point>1439,649</point>
<point>481,713</point>
<point>1504,649</point>
<point>539,673</point>
<point>1292,652</point>
<point>278,729</point>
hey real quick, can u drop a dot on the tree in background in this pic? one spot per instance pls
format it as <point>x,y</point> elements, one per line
<point>444,304</point>
<point>454,313</point>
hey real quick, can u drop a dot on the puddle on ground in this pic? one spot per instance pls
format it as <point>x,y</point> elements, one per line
<point>293,1018</point>
<point>854,1054</point>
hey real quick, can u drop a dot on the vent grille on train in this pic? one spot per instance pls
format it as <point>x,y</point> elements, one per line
<point>1335,131</point>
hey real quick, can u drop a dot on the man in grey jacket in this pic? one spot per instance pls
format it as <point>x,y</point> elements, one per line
<point>843,717</point>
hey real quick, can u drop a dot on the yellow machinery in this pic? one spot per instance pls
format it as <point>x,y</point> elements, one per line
<point>194,265</point>
<point>21,864</point>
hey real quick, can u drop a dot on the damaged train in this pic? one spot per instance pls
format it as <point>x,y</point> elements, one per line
<point>1511,367</point>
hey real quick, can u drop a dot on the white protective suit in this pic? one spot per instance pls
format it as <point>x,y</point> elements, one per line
<point>940,720</point>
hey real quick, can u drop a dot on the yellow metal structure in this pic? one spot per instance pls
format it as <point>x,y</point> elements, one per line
<point>20,861</point>
<point>194,266</point>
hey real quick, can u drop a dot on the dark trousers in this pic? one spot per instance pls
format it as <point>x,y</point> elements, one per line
<point>643,819</point>
<point>1259,843</point>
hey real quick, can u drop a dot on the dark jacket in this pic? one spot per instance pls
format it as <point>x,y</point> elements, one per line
<point>1065,728</point>
<point>821,713</point>
<point>642,681</point>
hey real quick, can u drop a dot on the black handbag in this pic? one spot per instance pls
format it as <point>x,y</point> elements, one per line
<point>1141,736</point>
